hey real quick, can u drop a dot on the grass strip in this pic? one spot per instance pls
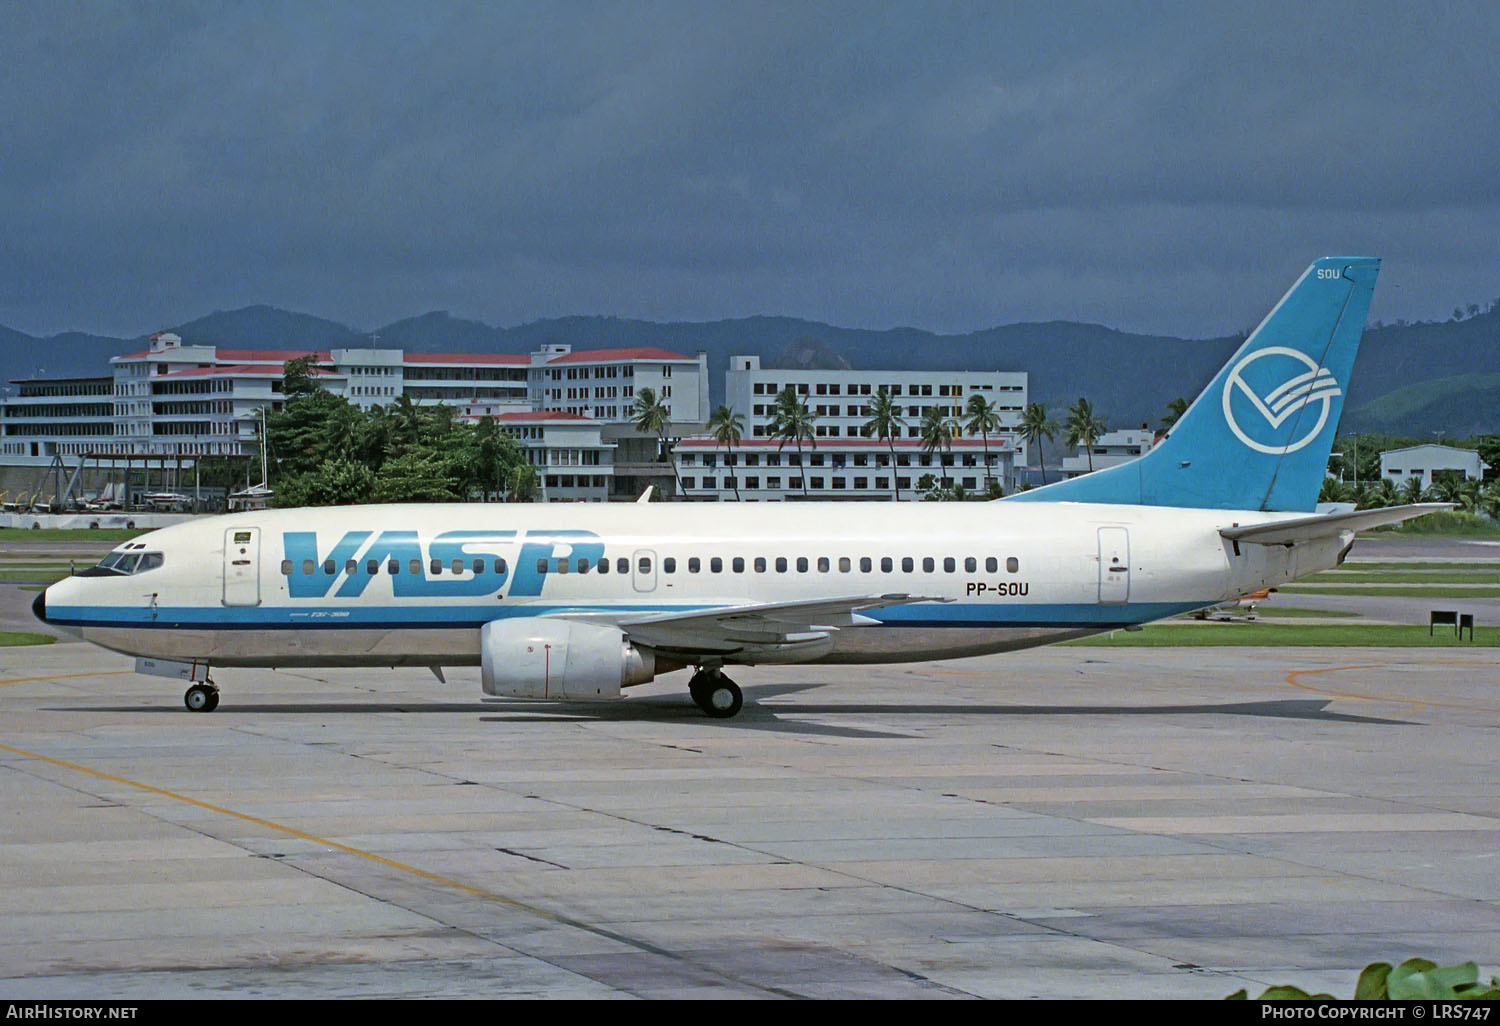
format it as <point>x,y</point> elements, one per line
<point>1291,635</point>
<point>1477,591</point>
<point>82,534</point>
<point>11,639</point>
<point>1489,575</point>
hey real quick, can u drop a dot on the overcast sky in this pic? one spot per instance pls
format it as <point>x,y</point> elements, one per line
<point>1154,167</point>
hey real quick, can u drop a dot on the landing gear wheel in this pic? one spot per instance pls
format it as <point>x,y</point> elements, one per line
<point>201,698</point>
<point>721,698</point>
<point>698,688</point>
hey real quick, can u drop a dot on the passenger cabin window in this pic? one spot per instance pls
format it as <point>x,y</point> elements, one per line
<point>393,567</point>
<point>949,564</point>
<point>622,565</point>
<point>738,565</point>
<point>1012,564</point>
<point>886,564</point>
<point>716,565</point>
<point>414,567</point>
<point>669,564</point>
<point>372,567</point>
<point>694,565</point>
<point>307,568</point>
<point>908,564</point>
<point>822,564</point>
<point>802,564</point>
<point>928,565</point>
<point>781,564</point>
<point>970,564</point>
<point>760,564</point>
<point>865,564</point>
<point>644,564</point>
<point>603,567</point>
<point>330,567</point>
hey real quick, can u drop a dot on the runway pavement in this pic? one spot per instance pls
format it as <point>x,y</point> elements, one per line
<point>1055,823</point>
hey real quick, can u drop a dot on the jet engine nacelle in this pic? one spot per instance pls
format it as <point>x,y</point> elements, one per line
<point>538,657</point>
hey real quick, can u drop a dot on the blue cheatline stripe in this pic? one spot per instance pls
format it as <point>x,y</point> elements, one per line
<point>469,617</point>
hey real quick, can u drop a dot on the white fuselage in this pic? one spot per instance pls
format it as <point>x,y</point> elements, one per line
<point>316,587</point>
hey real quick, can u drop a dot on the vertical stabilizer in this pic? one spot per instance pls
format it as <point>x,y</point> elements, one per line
<point>1259,436</point>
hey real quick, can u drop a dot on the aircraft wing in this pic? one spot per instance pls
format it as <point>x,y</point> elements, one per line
<point>1305,529</point>
<point>767,627</point>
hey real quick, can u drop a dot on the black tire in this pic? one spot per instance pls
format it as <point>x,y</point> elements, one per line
<point>698,689</point>
<point>213,701</point>
<point>200,699</point>
<point>722,698</point>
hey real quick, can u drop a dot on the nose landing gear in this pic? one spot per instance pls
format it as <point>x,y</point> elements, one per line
<point>202,697</point>
<point>717,695</point>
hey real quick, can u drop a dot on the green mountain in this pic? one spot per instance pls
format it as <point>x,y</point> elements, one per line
<point>1411,379</point>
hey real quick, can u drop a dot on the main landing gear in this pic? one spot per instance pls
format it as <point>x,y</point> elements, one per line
<point>202,697</point>
<point>717,695</point>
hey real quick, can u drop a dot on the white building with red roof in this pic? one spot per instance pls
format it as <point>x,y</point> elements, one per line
<point>175,401</point>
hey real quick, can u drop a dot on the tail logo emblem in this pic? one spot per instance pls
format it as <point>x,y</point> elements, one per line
<point>1265,411</point>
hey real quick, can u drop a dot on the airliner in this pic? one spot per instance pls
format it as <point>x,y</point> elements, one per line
<point>579,602</point>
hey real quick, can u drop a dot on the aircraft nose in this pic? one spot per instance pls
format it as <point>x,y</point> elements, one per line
<point>39,606</point>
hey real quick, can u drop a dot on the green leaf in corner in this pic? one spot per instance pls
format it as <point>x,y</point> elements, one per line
<point>1371,985</point>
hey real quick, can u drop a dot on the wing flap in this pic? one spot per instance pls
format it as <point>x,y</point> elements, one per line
<point>1306,529</point>
<point>766,626</point>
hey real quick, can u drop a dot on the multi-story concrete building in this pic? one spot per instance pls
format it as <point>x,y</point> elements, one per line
<point>843,460</point>
<point>175,402</point>
<point>840,400</point>
<point>765,470</point>
<point>47,417</point>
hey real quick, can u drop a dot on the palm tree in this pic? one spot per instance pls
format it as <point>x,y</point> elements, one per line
<point>792,421</point>
<point>983,418</point>
<point>1084,427</point>
<point>937,431</point>
<point>1175,409</point>
<point>650,415</point>
<point>1036,425</point>
<point>885,422</point>
<point>727,426</point>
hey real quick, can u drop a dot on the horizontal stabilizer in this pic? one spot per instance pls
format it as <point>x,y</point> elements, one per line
<point>1304,529</point>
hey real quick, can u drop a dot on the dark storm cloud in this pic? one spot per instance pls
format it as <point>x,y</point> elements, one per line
<point>947,165</point>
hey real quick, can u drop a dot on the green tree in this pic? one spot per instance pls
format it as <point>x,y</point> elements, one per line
<point>983,419</point>
<point>792,421</point>
<point>338,482</point>
<point>417,477</point>
<point>310,429</point>
<point>1175,409</point>
<point>936,432</point>
<point>1035,426</point>
<point>1084,427</point>
<point>297,376</point>
<point>885,423</point>
<point>727,427</point>
<point>650,415</point>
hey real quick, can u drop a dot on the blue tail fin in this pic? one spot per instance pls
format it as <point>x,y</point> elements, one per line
<point>1259,436</point>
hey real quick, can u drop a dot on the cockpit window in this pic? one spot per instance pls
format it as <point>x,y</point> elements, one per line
<point>122,564</point>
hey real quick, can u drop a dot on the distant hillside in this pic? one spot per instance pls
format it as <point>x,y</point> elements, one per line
<point>265,327</point>
<point>1411,379</point>
<point>1458,406</point>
